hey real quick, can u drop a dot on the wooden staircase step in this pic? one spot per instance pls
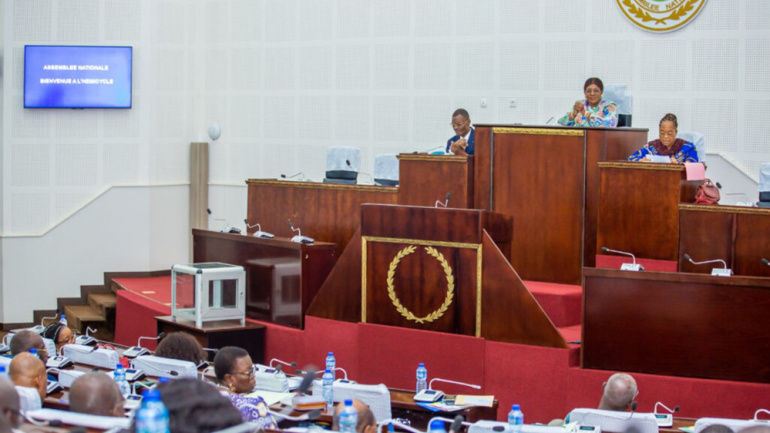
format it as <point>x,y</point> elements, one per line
<point>80,317</point>
<point>102,301</point>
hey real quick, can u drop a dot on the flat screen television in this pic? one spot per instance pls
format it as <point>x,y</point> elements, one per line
<point>58,76</point>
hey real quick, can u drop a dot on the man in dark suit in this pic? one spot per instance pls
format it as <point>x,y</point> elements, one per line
<point>464,140</point>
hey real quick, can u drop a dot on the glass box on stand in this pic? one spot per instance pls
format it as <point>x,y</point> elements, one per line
<point>205,292</point>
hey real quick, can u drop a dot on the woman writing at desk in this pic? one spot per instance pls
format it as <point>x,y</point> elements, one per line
<point>678,150</point>
<point>593,110</point>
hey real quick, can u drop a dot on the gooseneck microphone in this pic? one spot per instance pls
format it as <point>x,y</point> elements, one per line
<point>259,233</point>
<point>724,272</point>
<point>278,361</point>
<point>432,149</point>
<point>371,179</point>
<point>626,266</point>
<point>298,237</point>
<point>765,261</point>
<point>436,379</point>
<point>302,178</point>
<point>159,337</point>
<point>445,203</point>
<point>227,228</point>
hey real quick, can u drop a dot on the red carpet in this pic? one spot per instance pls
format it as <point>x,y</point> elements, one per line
<point>548,383</point>
<point>561,302</point>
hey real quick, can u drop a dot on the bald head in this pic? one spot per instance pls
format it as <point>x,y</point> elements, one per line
<point>28,371</point>
<point>96,394</point>
<point>24,340</point>
<point>10,405</point>
<point>366,422</point>
<point>619,391</point>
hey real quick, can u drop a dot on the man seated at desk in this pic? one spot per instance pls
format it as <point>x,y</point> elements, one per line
<point>27,372</point>
<point>366,422</point>
<point>96,394</point>
<point>464,140</point>
<point>24,340</point>
<point>618,393</point>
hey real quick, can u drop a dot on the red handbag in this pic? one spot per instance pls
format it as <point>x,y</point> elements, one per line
<point>708,193</point>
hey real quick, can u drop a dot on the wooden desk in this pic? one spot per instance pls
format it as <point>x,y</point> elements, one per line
<point>325,212</point>
<point>282,277</point>
<point>547,179</point>
<point>676,324</point>
<point>735,234</point>
<point>639,208</point>
<point>218,334</point>
<point>423,179</point>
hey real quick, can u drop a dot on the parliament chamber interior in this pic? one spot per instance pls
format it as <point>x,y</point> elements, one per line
<point>279,176</point>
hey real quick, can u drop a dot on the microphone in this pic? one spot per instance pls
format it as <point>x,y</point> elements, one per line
<point>298,237</point>
<point>765,261</point>
<point>756,414</point>
<point>227,228</point>
<point>436,379</point>
<point>667,419</point>
<point>549,120</point>
<point>724,272</point>
<point>138,350</point>
<point>301,179</point>
<point>158,338</point>
<point>307,380</point>
<point>445,203</point>
<point>86,339</point>
<point>278,361</point>
<point>342,370</point>
<point>626,266</point>
<point>633,409</point>
<point>371,179</point>
<point>431,150</point>
<point>259,233</point>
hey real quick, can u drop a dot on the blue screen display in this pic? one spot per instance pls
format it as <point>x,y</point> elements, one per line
<point>77,76</point>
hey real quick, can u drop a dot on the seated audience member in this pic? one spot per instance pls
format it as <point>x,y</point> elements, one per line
<point>60,334</point>
<point>464,140</point>
<point>27,373</point>
<point>676,149</point>
<point>593,110</point>
<point>235,372</point>
<point>366,423</point>
<point>96,394</point>
<point>10,406</point>
<point>181,346</point>
<point>24,340</point>
<point>195,406</point>
<point>618,392</point>
<point>755,429</point>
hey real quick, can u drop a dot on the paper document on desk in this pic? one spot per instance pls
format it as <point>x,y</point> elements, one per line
<point>271,397</point>
<point>442,407</point>
<point>475,400</point>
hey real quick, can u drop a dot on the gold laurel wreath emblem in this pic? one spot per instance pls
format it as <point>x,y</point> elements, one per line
<point>639,13</point>
<point>450,280</point>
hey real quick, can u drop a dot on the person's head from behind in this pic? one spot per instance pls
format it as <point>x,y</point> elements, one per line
<point>195,406</point>
<point>234,369</point>
<point>618,392</point>
<point>461,122</point>
<point>25,340</point>
<point>593,89</point>
<point>96,394</point>
<point>756,429</point>
<point>60,334</point>
<point>668,130</point>
<point>10,405</point>
<point>181,346</point>
<point>28,371</point>
<point>717,428</point>
<point>366,423</point>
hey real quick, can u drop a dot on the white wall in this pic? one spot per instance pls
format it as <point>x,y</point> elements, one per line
<point>286,79</point>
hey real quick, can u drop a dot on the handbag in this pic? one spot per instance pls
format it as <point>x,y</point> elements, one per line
<point>708,193</point>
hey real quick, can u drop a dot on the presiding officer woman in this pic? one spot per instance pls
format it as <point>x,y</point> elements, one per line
<point>593,110</point>
<point>676,149</point>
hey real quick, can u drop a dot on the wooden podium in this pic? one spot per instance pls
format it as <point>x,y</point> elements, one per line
<point>639,208</point>
<point>423,179</point>
<point>435,269</point>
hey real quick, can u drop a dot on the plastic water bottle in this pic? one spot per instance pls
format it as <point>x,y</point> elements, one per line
<point>331,364</point>
<point>348,418</point>
<point>33,351</point>
<point>120,377</point>
<point>4,372</point>
<point>422,377</point>
<point>152,416</point>
<point>515,419</point>
<point>328,388</point>
<point>63,320</point>
<point>437,426</point>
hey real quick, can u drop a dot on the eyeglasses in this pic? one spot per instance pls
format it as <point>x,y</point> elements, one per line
<point>457,125</point>
<point>70,340</point>
<point>667,134</point>
<point>248,374</point>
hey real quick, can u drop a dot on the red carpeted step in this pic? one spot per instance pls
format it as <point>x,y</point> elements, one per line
<point>571,333</point>
<point>561,302</point>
